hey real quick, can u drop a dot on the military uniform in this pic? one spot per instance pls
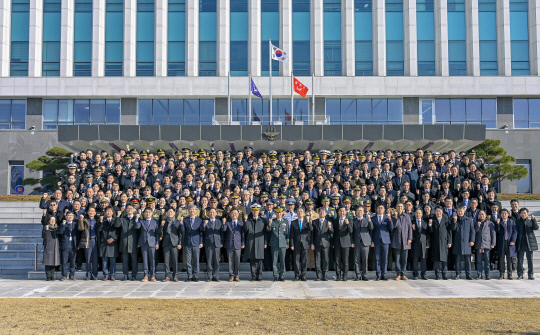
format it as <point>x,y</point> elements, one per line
<point>278,235</point>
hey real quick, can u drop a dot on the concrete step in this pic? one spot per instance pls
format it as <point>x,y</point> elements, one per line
<point>21,232</point>
<point>21,239</point>
<point>16,246</point>
<point>21,214</point>
<point>20,225</point>
<point>18,209</point>
<point>19,204</point>
<point>19,254</point>
<point>15,271</point>
<point>246,275</point>
<point>29,221</point>
<point>6,263</point>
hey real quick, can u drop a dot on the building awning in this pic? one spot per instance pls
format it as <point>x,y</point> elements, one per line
<point>279,138</point>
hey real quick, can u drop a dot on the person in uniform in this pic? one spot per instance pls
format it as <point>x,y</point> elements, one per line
<point>278,241</point>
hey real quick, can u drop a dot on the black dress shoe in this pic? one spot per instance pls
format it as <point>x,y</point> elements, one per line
<point>259,279</point>
<point>337,279</point>
<point>479,276</point>
<point>133,278</point>
<point>295,278</point>
<point>188,280</point>
<point>509,277</point>
<point>531,277</point>
<point>276,279</point>
<point>281,279</point>
<point>437,277</point>
<point>344,279</point>
<point>384,278</point>
<point>520,277</point>
<point>216,280</point>
<point>457,277</point>
<point>377,278</point>
<point>93,278</point>
<point>356,279</point>
<point>125,278</point>
<point>444,277</point>
<point>196,280</point>
<point>208,280</point>
<point>364,278</point>
<point>469,277</point>
<point>424,277</point>
<point>303,279</point>
<point>487,278</point>
<point>325,279</point>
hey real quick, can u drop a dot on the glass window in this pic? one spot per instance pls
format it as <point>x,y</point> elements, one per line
<point>12,114</point>
<point>145,38</point>
<point>427,111</point>
<point>20,23</point>
<point>457,49</point>
<point>487,23</point>
<point>519,37</point>
<point>526,113</point>
<point>425,22</point>
<point>364,111</point>
<point>363,44</point>
<point>177,111</point>
<point>465,111</point>
<point>239,38</point>
<point>442,110</point>
<point>82,47</point>
<point>207,38</point>
<point>348,111</point>
<point>51,38</point>
<point>394,38</point>
<point>176,32</point>
<point>301,48</point>
<point>114,37</point>
<point>333,110</point>
<point>16,175</point>
<point>332,37</point>
<point>270,31</point>
<point>84,112</point>
<point>524,185</point>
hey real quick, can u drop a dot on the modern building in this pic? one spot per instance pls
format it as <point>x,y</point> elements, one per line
<point>400,74</point>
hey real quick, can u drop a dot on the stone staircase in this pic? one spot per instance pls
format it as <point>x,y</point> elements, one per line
<point>20,232</point>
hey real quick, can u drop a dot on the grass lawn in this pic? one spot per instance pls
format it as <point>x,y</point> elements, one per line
<point>223,316</point>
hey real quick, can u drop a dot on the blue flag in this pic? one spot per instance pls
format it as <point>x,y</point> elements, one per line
<point>255,90</point>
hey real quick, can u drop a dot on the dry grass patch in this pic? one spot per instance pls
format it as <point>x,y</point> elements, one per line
<point>137,316</point>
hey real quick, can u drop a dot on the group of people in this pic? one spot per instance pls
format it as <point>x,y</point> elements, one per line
<point>288,211</point>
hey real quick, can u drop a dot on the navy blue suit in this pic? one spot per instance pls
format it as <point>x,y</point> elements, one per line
<point>234,241</point>
<point>193,237</point>
<point>148,241</point>
<point>68,247</point>
<point>381,238</point>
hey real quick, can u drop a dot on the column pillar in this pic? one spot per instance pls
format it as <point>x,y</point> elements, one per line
<point>254,37</point>
<point>285,35</point>
<point>98,38</point>
<point>504,52</point>
<point>130,38</point>
<point>347,37</point>
<point>192,38</point>
<point>534,35</point>
<point>317,38</point>
<point>5,37</point>
<point>223,36</point>
<point>67,34</point>
<point>35,40</point>
<point>161,38</point>
<point>473,37</point>
<point>410,38</point>
<point>441,38</point>
<point>379,38</point>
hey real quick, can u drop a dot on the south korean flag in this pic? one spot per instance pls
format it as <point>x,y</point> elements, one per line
<point>279,55</point>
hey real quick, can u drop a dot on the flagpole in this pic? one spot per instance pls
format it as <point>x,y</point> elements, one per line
<point>313,96</point>
<point>229,97</point>
<point>249,104</point>
<point>292,98</point>
<point>270,76</point>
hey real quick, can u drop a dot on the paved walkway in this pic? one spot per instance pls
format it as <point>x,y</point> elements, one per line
<point>11,288</point>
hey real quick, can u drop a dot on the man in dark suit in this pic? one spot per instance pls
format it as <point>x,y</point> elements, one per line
<point>506,231</point>
<point>193,242</point>
<point>401,240</point>
<point>108,243</point>
<point>256,241</point>
<point>172,231</point>
<point>149,243</point>
<point>68,245</point>
<point>440,235</point>
<point>382,226</point>
<point>154,175</point>
<point>420,244</point>
<point>129,239</point>
<point>321,242</point>
<point>463,239</point>
<point>300,238</point>
<point>130,181</point>
<point>234,243</point>
<point>343,230</point>
<point>362,229</point>
<point>212,244</point>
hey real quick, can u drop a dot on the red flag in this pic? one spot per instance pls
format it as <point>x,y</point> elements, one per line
<point>300,88</point>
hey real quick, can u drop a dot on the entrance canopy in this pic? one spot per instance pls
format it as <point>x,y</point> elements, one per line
<point>279,138</point>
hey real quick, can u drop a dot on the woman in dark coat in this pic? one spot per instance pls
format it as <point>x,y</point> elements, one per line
<point>51,247</point>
